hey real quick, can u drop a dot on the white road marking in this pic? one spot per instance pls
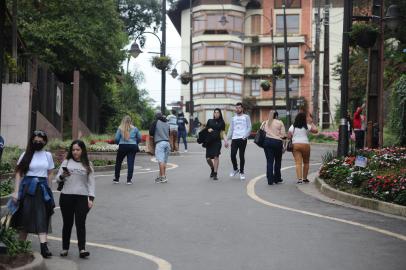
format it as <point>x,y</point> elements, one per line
<point>251,193</point>
<point>172,166</point>
<point>161,263</point>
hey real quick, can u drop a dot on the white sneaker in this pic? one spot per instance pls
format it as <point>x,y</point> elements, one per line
<point>158,179</point>
<point>185,150</point>
<point>242,176</point>
<point>164,179</point>
<point>233,173</point>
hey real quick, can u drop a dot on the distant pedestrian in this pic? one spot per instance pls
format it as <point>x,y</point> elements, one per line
<point>182,131</point>
<point>359,127</point>
<point>239,131</point>
<point>196,126</point>
<point>77,195</point>
<point>33,191</point>
<point>160,131</point>
<point>299,132</point>
<point>127,137</point>
<point>273,147</point>
<point>215,128</point>
<point>173,135</point>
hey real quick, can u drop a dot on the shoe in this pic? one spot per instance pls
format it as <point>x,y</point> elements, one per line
<point>45,251</point>
<point>242,176</point>
<point>83,254</point>
<point>306,181</point>
<point>63,253</point>
<point>212,174</point>
<point>185,150</point>
<point>270,183</point>
<point>164,179</point>
<point>279,181</point>
<point>158,179</point>
<point>116,181</point>
<point>215,176</point>
<point>129,182</point>
<point>233,173</point>
<point>299,181</point>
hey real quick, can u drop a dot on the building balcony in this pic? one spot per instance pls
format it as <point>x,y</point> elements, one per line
<point>264,40</point>
<point>218,70</point>
<point>216,38</point>
<point>258,71</point>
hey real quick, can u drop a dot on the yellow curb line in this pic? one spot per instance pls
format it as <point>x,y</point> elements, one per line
<point>251,193</point>
<point>161,263</point>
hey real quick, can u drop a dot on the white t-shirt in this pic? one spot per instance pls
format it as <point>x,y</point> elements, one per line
<point>40,164</point>
<point>300,134</point>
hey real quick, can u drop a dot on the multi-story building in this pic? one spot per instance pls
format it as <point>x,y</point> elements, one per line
<point>231,57</point>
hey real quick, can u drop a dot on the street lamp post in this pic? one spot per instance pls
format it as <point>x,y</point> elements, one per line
<point>285,48</point>
<point>163,52</point>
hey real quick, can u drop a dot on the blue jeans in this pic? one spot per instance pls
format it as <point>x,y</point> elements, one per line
<point>273,153</point>
<point>182,134</point>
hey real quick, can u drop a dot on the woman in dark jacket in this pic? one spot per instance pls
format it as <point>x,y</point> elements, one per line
<point>215,128</point>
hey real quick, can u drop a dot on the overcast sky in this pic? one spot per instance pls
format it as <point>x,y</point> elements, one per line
<point>152,75</point>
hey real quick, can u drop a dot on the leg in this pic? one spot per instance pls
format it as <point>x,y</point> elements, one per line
<point>81,210</point>
<point>278,161</point>
<point>210,162</point>
<point>267,156</point>
<point>242,146</point>
<point>216,162</point>
<point>130,162</point>
<point>22,235</point>
<point>306,160</point>
<point>175,140</point>
<point>184,138</point>
<point>121,153</point>
<point>298,161</point>
<point>234,148</point>
<point>66,202</point>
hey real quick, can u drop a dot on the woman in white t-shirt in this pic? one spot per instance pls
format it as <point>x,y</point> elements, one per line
<point>32,191</point>
<point>301,146</point>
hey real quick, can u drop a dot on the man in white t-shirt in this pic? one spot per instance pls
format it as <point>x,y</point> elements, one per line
<point>239,131</point>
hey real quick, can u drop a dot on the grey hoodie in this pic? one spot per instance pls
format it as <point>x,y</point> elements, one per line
<point>159,130</point>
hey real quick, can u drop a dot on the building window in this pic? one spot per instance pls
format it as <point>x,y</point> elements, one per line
<point>199,24</point>
<point>255,87</point>
<point>215,53</point>
<point>215,85</point>
<point>234,54</point>
<point>293,55</point>
<point>292,24</point>
<point>293,87</point>
<point>289,3</point>
<point>198,55</point>
<point>234,86</point>
<point>255,24</point>
<point>213,22</point>
<point>198,86</point>
<point>255,56</point>
<point>235,23</point>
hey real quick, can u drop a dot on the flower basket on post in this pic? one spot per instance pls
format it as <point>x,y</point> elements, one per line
<point>364,35</point>
<point>255,39</point>
<point>265,85</point>
<point>185,78</point>
<point>161,62</point>
<point>277,70</point>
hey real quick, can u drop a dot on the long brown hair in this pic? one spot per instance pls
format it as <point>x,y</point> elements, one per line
<point>83,157</point>
<point>125,127</point>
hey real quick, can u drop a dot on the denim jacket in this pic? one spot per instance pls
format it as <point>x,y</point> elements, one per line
<point>135,137</point>
<point>31,182</point>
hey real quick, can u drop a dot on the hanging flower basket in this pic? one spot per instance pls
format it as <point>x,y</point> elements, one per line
<point>265,85</point>
<point>364,35</point>
<point>277,70</point>
<point>161,62</point>
<point>185,78</point>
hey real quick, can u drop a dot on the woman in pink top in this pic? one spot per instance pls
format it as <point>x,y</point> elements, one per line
<point>273,145</point>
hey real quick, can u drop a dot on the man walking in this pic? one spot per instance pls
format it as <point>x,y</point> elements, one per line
<point>160,131</point>
<point>173,134</point>
<point>182,132</point>
<point>239,131</point>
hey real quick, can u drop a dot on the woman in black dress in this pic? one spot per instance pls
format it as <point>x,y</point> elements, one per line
<point>215,128</point>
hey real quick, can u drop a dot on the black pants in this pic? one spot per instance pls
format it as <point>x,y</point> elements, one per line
<point>238,145</point>
<point>129,151</point>
<point>73,208</point>
<point>359,139</point>
<point>273,153</point>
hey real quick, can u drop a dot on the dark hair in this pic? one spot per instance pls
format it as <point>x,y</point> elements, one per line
<point>300,121</point>
<point>173,111</point>
<point>221,115</point>
<point>239,104</point>
<point>275,115</point>
<point>83,158</point>
<point>24,164</point>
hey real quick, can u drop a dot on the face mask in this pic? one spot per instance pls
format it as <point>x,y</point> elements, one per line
<point>37,146</point>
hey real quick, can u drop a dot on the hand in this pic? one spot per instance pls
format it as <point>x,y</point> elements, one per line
<point>65,174</point>
<point>225,144</point>
<point>210,130</point>
<point>90,204</point>
<point>14,196</point>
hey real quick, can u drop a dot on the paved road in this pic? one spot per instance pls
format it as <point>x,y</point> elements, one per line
<point>195,223</point>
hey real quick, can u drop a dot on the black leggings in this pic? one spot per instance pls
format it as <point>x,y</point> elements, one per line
<point>238,144</point>
<point>73,207</point>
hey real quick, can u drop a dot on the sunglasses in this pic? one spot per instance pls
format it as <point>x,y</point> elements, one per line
<point>39,133</point>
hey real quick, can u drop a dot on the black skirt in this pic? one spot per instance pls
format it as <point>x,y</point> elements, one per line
<point>33,214</point>
<point>213,149</point>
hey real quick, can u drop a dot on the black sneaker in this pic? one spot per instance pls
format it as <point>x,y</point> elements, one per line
<point>212,174</point>
<point>215,176</point>
<point>116,181</point>
<point>129,182</point>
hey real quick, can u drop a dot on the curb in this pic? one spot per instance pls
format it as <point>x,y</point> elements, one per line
<point>37,264</point>
<point>356,200</point>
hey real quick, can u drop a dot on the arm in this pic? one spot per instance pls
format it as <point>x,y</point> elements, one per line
<point>118,136</point>
<point>60,175</point>
<point>249,127</point>
<point>17,182</point>
<point>91,186</point>
<point>313,128</point>
<point>283,131</point>
<point>152,129</point>
<point>138,136</point>
<point>50,178</point>
<point>230,131</point>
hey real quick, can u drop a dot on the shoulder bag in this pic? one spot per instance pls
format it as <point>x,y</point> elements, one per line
<point>260,136</point>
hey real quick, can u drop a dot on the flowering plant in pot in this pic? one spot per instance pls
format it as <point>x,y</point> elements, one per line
<point>364,35</point>
<point>265,85</point>
<point>277,70</point>
<point>185,78</point>
<point>161,62</point>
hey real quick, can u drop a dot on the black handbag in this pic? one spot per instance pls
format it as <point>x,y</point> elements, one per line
<point>289,146</point>
<point>260,137</point>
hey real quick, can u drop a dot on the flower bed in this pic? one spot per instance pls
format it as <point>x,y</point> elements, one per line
<point>384,177</point>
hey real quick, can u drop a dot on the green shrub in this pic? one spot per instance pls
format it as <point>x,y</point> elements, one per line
<point>256,126</point>
<point>6,187</point>
<point>102,162</point>
<point>9,159</point>
<point>14,246</point>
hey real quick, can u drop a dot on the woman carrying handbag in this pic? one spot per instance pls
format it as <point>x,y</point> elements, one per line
<point>273,147</point>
